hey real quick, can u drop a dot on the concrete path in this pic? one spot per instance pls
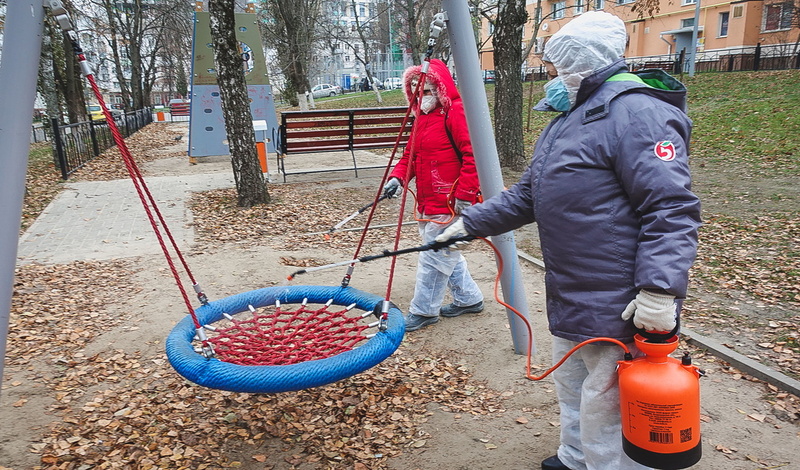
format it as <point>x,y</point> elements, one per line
<point>101,220</point>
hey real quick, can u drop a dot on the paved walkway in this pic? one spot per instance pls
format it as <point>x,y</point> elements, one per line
<point>104,219</point>
<point>101,220</point>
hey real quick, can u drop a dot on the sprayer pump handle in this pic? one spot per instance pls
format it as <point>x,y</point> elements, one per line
<point>661,336</point>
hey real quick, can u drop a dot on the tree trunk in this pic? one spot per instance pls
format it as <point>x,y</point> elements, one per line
<point>181,80</point>
<point>115,48</point>
<point>73,84</point>
<point>291,31</point>
<point>47,81</point>
<point>250,185</point>
<point>511,17</point>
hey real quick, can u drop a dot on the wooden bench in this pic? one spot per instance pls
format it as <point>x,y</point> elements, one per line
<point>339,130</point>
<point>179,109</point>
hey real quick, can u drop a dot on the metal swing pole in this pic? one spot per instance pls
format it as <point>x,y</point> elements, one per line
<point>19,67</point>
<point>465,55</point>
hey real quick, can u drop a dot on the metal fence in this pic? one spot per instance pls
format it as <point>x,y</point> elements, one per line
<point>74,145</point>
<point>753,58</point>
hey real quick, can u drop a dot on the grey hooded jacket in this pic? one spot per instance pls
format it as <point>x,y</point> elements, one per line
<point>609,189</point>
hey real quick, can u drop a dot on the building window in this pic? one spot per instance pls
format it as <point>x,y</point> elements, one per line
<point>723,23</point>
<point>623,2</point>
<point>778,16</point>
<point>687,23</point>
<point>688,2</point>
<point>579,7</point>
<point>738,11</point>
<point>599,4</point>
<point>537,15</point>
<point>558,9</point>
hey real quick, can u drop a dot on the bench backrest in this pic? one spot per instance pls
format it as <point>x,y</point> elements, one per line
<point>179,109</point>
<point>342,129</point>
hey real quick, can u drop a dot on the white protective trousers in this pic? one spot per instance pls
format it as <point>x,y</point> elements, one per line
<point>588,395</point>
<point>438,271</point>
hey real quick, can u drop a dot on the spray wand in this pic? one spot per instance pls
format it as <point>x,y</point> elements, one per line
<point>353,216</point>
<point>435,246</point>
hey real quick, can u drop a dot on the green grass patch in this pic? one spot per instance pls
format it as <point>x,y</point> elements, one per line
<point>362,99</point>
<point>746,119</point>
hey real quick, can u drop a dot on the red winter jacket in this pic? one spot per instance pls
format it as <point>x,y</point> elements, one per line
<point>443,173</point>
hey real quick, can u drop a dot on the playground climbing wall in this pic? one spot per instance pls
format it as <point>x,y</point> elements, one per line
<point>207,134</point>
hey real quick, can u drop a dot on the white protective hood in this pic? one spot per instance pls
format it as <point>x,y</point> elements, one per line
<point>589,42</point>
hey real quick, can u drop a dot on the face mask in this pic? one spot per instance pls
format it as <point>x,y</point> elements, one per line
<point>428,103</point>
<point>557,95</point>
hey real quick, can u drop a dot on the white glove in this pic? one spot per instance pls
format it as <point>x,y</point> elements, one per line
<point>392,188</point>
<point>460,205</point>
<point>651,311</point>
<point>454,230</point>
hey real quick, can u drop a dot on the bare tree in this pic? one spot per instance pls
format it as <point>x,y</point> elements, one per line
<point>46,86</point>
<point>511,18</point>
<point>508,58</point>
<point>137,31</point>
<point>250,185</point>
<point>290,29</point>
<point>413,18</point>
<point>363,39</point>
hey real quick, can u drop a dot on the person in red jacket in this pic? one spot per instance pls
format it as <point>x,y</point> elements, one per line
<point>439,156</point>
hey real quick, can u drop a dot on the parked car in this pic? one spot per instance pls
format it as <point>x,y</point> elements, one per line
<point>326,89</point>
<point>365,85</point>
<point>393,83</point>
<point>96,112</point>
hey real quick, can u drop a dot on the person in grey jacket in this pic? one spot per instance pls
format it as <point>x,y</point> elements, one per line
<point>610,190</point>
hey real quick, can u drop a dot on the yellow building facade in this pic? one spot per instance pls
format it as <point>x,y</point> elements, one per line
<point>724,27</point>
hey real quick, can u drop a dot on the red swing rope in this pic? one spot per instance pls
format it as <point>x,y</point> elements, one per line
<point>145,196</point>
<point>371,214</point>
<point>416,96</point>
<point>266,338</point>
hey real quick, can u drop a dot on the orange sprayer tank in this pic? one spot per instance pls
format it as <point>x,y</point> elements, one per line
<point>660,406</point>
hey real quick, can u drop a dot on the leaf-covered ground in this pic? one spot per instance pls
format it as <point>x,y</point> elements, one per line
<point>118,407</point>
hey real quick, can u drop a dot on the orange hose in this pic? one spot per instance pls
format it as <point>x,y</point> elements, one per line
<point>530,330</point>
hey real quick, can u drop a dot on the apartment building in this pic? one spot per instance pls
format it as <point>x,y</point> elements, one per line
<point>722,26</point>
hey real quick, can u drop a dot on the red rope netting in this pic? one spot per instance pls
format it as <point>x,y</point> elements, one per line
<point>272,336</point>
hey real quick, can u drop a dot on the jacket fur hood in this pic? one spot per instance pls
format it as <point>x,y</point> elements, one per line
<point>440,77</point>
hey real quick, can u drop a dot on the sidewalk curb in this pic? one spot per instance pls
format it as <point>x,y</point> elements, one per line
<point>742,362</point>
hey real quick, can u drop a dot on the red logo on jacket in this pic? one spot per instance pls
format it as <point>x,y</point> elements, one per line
<point>665,150</point>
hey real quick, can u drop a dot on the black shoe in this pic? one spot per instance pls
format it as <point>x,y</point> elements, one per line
<point>452,310</point>
<point>553,463</point>
<point>415,322</point>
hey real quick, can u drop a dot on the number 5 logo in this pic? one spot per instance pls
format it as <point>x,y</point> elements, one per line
<point>665,150</point>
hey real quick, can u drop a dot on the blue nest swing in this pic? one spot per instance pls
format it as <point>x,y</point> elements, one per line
<point>214,373</point>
